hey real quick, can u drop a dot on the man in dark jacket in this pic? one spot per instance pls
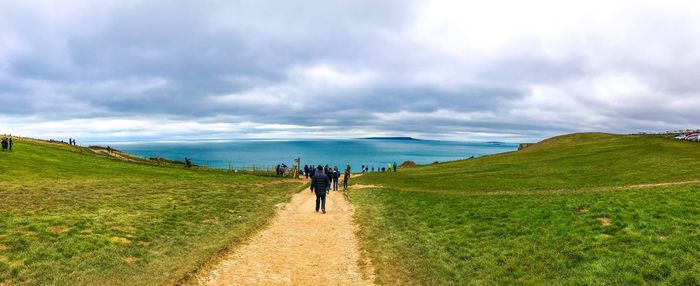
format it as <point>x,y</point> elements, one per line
<point>336,177</point>
<point>319,184</point>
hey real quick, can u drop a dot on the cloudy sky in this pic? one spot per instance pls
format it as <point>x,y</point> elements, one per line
<point>463,70</point>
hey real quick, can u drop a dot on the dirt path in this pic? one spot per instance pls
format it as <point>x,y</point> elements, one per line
<point>299,247</point>
<point>544,192</point>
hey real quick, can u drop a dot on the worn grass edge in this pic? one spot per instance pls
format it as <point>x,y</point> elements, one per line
<point>200,274</point>
<point>365,262</point>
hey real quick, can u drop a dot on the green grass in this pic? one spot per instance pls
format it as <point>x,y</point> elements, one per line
<point>536,216</point>
<point>71,217</point>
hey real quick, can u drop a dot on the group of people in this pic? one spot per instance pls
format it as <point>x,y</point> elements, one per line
<point>389,167</point>
<point>332,173</point>
<point>281,169</point>
<point>188,162</point>
<point>323,179</point>
<point>7,143</point>
<point>71,141</point>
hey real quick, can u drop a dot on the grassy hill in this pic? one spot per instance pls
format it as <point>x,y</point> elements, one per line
<point>584,209</point>
<point>74,216</point>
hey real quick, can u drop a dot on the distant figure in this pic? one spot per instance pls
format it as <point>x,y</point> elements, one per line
<point>336,177</point>
<point>319,185</point>
<point>4,144</point>
<point>346,177</point>
<point>109,149</point>
<point>306,171</point>
<point>388,167</point>
<point>394,166</point>
<point>383,169</point>
<point>188,163</point>
<point>372,168</point>
<point>11,143</point>
<point>283,169</point>
<point>327,170</point>
<point>363,168</point>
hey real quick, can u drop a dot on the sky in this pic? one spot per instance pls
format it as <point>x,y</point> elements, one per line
<point>515,71</point>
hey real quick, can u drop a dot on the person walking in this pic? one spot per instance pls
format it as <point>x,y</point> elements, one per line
<point>346,177</point>
<point>336,177</point>
<point>10,144</point>
<point>328,172</point>
<point>394,166</point>
<point>319,185</point>
<point>4,144</point>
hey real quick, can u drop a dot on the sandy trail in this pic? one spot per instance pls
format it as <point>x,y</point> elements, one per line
<point>299,247</point>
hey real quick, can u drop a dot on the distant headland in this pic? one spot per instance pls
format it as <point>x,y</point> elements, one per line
<point>391,138</point>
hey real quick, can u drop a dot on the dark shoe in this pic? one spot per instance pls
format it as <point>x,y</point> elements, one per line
<point>324,211</point>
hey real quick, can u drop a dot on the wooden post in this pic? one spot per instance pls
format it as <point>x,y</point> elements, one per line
<point>297,167</point>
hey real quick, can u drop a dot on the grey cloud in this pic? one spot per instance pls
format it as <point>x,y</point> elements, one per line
<point>226,62</point>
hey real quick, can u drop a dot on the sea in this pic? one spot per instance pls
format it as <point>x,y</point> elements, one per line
<point>243,154</point>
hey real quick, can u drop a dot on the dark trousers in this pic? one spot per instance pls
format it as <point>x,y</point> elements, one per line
<point>321,199</point>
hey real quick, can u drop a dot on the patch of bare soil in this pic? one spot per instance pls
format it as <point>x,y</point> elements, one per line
<point>130,260</point>
<point>360,187</point>
<point>120,240</point>
<point>604,221</point>
<point>299,247</point>
<point>59,229</point>
<point>112,154</point>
